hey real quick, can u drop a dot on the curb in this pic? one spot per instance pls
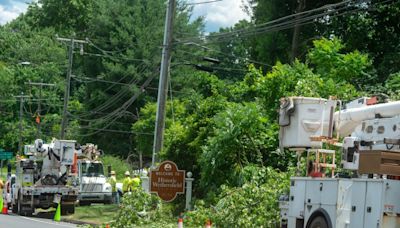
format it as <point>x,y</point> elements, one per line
<point>77,222</point>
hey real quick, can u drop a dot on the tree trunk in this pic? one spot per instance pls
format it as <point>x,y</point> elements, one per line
<point>295,39</point>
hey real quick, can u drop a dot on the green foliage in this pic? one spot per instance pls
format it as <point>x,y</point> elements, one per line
<point>329,62</point>
<point>374,30</point>
<point>140,208</point>
<point>393,86</point>
<point>254,204</point>
<point>117,164</point>
<point>239,138</point>
<point>220,126</point>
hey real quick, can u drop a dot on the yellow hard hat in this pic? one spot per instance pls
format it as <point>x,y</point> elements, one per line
<point>112,172</point>
<point>127,173</point>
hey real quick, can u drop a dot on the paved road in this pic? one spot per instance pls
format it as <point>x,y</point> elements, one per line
<point>15,221</point>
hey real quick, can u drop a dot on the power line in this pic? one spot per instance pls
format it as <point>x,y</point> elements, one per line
<point>214,67</point>
<point>228,55</point>
<point>205,2</point>
<point>87,79</point>
<point>108,104</point>
<point>115,131</point>
<point>111,101</point>
<point>330,10</point>
<point>274,21</point>
<point>116,114</point>
<point>114,57</point>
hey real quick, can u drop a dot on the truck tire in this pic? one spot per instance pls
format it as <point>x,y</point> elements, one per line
<point>19,210</point>
<point>14,209</point>
<point>67,209</point>
<point>318,222</point>
<point>71,210</point>
<point>19,205</point>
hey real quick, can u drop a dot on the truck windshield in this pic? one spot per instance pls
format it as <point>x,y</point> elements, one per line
<point>92,169</point>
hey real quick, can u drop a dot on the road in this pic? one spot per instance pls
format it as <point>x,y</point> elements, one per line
<point>15,221</point>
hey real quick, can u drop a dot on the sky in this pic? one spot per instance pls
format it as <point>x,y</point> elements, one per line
<point>224,13</point>
<point>219,14</point>
<point>10,9</point>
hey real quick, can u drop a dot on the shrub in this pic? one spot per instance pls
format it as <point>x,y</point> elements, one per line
<point>254,204</point>
<point>117,164</point>
<point>137,208</point>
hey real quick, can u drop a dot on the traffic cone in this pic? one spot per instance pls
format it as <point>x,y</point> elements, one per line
<point>180,223</point>
<point>57,216</point>
<point>107,226</point>
<point>5,207</point>
<point>208,223</point>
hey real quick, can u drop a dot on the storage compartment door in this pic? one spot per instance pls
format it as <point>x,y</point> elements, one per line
<point>358,194</point>
<point>313,192</point>
<point>329,191</point>
<point>373,204</point>
<point>296,198</point>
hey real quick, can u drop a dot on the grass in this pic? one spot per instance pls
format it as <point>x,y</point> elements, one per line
<point>96,214</point>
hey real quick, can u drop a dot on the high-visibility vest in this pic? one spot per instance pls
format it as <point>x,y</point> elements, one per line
<point>113,183</point>
<point>126,184</point>
<point>135,183</point>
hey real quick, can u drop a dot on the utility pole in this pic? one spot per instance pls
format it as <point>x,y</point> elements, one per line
<point>71,47</point>
<point>40,84</point>
<point>163,82</point>
<point>21,110</point>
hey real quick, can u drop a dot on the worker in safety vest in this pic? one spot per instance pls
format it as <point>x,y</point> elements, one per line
<point>113,182</point>
<point>127,182</point>
<point>135,182</point>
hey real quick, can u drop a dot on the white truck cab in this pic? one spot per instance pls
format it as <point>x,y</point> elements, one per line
<point>93,187</point>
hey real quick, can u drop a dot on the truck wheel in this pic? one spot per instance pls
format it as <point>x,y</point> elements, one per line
<point>318,222</point>
<point>67,209</point>
<point>29,212</point>
<point>71,209</point>
<point>14,209</point>
<point>64,210</point>
<point>19,206</point>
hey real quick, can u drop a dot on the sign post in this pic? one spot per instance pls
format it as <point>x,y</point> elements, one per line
<point>167,181</point>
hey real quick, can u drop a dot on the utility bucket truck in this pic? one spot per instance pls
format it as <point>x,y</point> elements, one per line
<point>94,187</point>
<point>369,194</point>
<point>43,178</point>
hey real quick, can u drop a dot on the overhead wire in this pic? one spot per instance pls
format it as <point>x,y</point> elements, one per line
<point>120,131</point>
<point>205,2</point>
<point>262,28</point>
<point>274,21</point>
<point>123,107</point>
<point>87,79</point>
<point>228,55</point>
<point>215,67</point>
<point>107,104</point>
<point>274,28</point>
<point>110,102</point>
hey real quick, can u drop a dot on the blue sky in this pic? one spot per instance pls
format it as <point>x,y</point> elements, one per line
<point>217,14</point>
<point>10,9</point>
